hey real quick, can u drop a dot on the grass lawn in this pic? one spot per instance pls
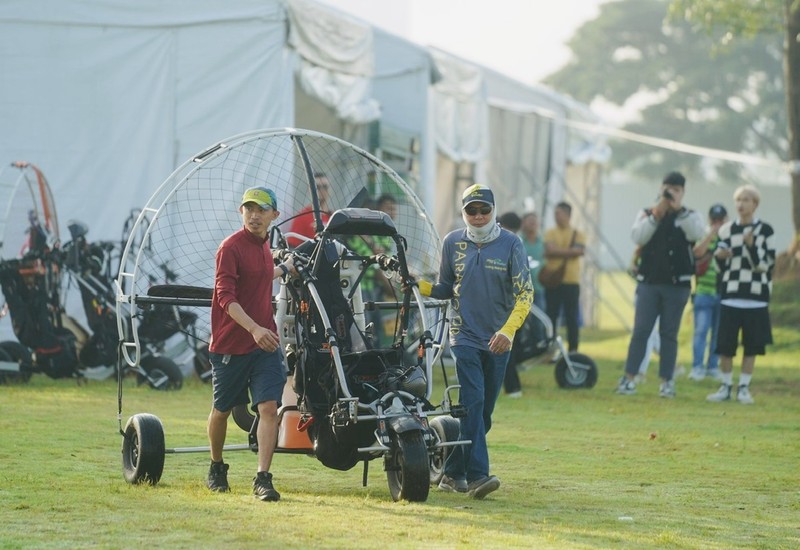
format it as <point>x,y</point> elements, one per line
<point>580,469</point>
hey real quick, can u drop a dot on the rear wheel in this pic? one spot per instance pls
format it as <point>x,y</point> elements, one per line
<point>407,467</point>
<point>447,429</point>
<point>202,364</point>
<point>14,352</point>
<point>160,373</point>
<point>243,417</point>
<point>143,449</point>
<point>583,373</point>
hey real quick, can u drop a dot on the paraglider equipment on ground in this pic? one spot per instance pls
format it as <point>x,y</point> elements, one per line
<point>34,266</point>
<point>347,399</point>
<point>538,340</point>
<point>30,277</point>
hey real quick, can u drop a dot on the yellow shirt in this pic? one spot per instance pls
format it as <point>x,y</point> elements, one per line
<point>561,238</point>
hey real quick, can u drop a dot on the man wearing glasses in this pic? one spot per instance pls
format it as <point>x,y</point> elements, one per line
<point>484,272</point>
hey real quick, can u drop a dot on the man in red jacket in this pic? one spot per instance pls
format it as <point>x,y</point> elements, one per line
<point>305,223</point>
<point>245,349</point>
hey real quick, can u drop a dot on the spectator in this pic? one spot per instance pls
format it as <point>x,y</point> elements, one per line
<point>305,222</point>
<point>665,233</point>
<point>534,246</point>
<point>244,350</point>
<point>705,301</point>
<point>653,341</point>
<point>746,256</point>
<point>511,382</point>
<point>564,244</point>
<point>375,286</point>
<point>491,299</point>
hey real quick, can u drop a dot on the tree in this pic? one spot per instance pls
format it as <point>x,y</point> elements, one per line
<point>738,20</point>
<point>726,98</point>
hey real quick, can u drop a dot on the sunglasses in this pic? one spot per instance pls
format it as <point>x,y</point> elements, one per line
<point>474,210</point>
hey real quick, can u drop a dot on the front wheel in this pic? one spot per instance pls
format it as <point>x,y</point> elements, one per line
<point>143,449</point>
<point>583,373</point>
<point>447,429</point>
<point>408,467</point>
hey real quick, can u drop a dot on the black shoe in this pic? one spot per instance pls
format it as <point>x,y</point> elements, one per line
<point>218,477</point>
<point>482,487</point>
<point>263,489</point>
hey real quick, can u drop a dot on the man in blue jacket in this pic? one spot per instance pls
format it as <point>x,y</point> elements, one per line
<point>484,272</point>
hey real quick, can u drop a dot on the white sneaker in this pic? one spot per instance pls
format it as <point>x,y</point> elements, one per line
<point>514,394</point>
<point>743,395</point>
<point>722,394</point>
<point>697,374</point>
<point>667,389</point>
<point>626,387</point>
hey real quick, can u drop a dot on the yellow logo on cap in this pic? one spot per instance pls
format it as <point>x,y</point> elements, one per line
<point>259,197</point>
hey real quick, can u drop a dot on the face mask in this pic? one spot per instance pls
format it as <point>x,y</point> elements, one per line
<point>485,234</point>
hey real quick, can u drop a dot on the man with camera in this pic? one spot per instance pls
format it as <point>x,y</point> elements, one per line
<point>666,233</point>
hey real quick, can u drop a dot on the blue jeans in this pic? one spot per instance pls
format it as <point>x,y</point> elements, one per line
<point>706,319</point>
<point>665,303</point>
<point>480,373</point>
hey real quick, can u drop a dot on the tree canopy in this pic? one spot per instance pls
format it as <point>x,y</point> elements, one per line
<point>699,89</point>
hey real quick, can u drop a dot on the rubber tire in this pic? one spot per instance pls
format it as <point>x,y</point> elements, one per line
<point>408,467</point>
<point>14,351</point>
<point>243,417</point>
<point>155,367</point>
<point>202,364</point>
<point>583,378</point>
<point>448,429</point>
<point>143,449</point>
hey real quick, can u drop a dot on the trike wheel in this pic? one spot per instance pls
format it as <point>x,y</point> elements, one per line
<point>407,467</point>
<point>15,352</point>
<point>448,429</point>
<point>243,417</point>
<point>143,449</point>
<point>202,364</point>
<point>583,373</point>
<point>160,373</point>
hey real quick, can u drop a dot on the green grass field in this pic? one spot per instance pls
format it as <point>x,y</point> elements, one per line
<point>580,469</point>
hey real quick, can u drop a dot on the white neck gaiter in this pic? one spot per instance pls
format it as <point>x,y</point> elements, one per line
<point>485,234</point>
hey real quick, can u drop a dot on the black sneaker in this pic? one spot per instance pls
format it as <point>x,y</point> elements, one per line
<point>218,477</point>
<point>263,489</point>
<point>482,487</point>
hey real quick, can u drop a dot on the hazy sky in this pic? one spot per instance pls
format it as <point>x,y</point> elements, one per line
<point>521,38</point>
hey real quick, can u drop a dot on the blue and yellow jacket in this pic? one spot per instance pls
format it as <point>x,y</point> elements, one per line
<point>489,285</point>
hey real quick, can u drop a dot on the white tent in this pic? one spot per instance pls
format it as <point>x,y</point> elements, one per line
<point>107,98</point>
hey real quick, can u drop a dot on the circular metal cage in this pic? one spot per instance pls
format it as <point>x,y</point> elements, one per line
<point>175,238</point>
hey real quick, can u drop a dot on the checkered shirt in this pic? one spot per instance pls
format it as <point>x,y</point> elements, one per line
<point>747,274</point>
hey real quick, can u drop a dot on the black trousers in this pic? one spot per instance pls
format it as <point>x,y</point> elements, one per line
<point>566,296</point>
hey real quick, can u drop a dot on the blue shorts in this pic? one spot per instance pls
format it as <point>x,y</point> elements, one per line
<point>262,373</point>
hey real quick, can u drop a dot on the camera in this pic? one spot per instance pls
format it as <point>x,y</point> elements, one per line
<point>667,195</point>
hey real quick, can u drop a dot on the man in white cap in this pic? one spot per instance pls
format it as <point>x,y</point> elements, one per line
<point>484,272</point>
<point>244,348</point>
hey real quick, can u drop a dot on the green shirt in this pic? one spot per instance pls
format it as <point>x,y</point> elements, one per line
<point>535,251</point>
<point>706,283</point>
